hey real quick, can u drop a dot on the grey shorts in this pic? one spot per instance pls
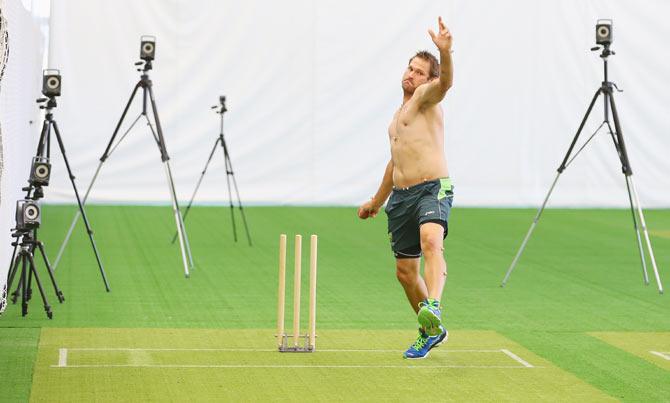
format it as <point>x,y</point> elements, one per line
<point>410,207</point>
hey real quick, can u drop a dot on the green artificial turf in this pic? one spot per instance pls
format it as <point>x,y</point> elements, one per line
<point>579,277</point>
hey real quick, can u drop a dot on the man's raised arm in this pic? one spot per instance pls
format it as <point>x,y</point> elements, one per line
<point>434,91</point>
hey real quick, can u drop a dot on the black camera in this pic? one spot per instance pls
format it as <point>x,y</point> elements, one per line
<point>147,48</point>
<point>28,215</point>
<point>40,172</point>
<point>51,83</point>
<point>604,35</point>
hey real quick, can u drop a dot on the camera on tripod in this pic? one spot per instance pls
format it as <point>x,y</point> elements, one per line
<point>222,105</point>
<point>604,34</point>
<point>51,83</point>
<point>40,171</point>
<point>28,214</point>
<point>147,48</point>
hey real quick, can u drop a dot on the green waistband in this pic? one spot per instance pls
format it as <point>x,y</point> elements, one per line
<point>445,186</point>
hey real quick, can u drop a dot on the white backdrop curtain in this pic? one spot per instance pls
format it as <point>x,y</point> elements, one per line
<point>19,118</point>
<point>312,86</point>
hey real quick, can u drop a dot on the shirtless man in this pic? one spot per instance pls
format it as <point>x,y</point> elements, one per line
<point>418,182</point>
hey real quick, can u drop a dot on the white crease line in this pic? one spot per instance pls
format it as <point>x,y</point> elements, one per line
<point>62,357</point>
<point>664,354</point>
<point>293,366</point>
<point>271,350</point>
<point>62,363</point>
<point>516,358</point>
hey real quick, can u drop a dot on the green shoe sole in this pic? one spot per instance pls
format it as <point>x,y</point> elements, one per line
<point>429,321</point>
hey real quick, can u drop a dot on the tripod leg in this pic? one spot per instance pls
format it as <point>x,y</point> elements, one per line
<point>58,292</point>
<point>29,292</point>
<point>41,143</point>
<point>118,125</point>
<point>81,206</point>
<point>75,219</point>
<point>12,269</point>
<point>33,270</point>
<point>628,171</point>
<point>239,203</point>
<point>579,131</point>
<point>646,236</point>
<point>15,267</point>
<point>197,186</point>
<point>561,168</point>
<point>530,231</point>
<point>229,172</point>
<point>104,157</point>
<point>24,302</point>
<point>183,240</point>
<point>108,152</point>
<point>645,276</point>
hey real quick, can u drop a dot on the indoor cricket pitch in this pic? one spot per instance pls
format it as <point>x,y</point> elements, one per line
<point>574,323</point>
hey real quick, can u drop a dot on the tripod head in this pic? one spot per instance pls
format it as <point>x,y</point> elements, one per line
<point>606,51</point>
<point>146,66</point>
<point>222,105</point>
<point>35,192</point>
<point>47,103</point>
<point>24,237</point>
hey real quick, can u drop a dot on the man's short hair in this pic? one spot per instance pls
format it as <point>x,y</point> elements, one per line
<point>434,71</point>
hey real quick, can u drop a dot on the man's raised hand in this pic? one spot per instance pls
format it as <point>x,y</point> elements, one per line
<point>443,38</point>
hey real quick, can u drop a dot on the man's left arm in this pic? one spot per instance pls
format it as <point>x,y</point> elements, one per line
<point>434,91</point>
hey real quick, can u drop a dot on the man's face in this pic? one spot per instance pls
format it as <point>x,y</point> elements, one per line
<point>415,74</point>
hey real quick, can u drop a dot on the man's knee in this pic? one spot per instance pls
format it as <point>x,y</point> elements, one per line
<point>432,246</point>
<point>432,241</point>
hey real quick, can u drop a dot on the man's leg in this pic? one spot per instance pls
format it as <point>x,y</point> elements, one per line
<point>435,267</point>
<point>435,275</point>
<point>407,271</point>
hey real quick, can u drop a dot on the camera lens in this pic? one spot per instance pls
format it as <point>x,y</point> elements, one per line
<point>603,31</point>
<point>53,82</point>
<point>31,212</point>
<point>42,171</point>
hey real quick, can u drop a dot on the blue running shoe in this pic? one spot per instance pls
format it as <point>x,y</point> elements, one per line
<point>429,317</point>
<point>420,348</point>
<point>435,341</point>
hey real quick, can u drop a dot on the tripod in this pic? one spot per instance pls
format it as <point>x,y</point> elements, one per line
<point>147,94</point>
<point>44,150</point>
<point>24,262</point>
<point>229,174</point>
<point>607,91</point>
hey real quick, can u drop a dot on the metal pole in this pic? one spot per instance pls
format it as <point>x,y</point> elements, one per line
<point>197,186</point>
<point>645,276</point>
<point>177,216</point>
<point>81,206</point>
<point>108,151</point>
<point>530,231</point>
<point>646,236</point>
